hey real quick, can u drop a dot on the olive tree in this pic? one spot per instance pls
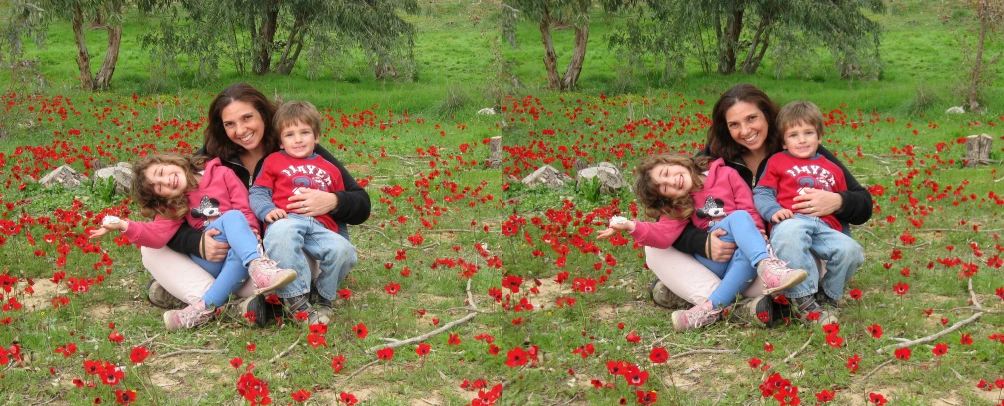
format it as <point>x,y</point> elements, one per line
<point>737,35</point>
<point>270,36</point>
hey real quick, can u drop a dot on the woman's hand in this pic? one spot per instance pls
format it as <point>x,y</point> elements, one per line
<point>212,250</point>
<point>817,203</point>
<point>312,202</point>
<point>721,251</point>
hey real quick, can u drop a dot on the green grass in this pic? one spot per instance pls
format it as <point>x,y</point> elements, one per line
<point>411,117</point>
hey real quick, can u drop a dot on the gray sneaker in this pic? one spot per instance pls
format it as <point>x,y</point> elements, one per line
<point>808,307</point>
<point>158,296</point>
<point>663,297</point>
<point>299,308</point>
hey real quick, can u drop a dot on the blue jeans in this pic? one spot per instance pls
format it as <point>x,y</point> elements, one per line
<point>797,239</point>
<point>287,240</point>
<point>740,271</point>
<point>232,272</point>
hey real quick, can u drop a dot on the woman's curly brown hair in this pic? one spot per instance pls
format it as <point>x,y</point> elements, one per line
<point>150,204</point>
<point>647,191</point>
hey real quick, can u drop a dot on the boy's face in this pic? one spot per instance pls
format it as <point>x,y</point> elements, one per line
<point>298,140</point>
<point>801,140</point>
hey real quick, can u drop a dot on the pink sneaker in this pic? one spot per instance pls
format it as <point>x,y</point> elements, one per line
<point>190,317</point>
<point>776,275</point>
<point>267,276</point>
<point>697,317</point>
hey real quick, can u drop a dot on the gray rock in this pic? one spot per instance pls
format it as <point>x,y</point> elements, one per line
<point>63,175</point>
<point>956,110</point>
<point>608,175</point>
<point>547,176</point>
<point>121,173</point>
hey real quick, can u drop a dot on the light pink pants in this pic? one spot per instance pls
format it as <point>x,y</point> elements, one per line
<point>183,278</point>
<point>686,277</point>
<point>690,280</point>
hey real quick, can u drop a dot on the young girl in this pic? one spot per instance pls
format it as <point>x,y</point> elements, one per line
<point>670,186</point>
<point>173,189</point>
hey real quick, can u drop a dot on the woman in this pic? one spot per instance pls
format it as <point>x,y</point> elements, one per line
<point>742,133</point>
<point>241,134</point>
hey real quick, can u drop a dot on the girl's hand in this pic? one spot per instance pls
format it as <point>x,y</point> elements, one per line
<point>781,215</point>
<point>817,203</point>
<point>312,202</point>
<point>274,215</point>
<point>212,250</point>
<point>614,228</point>
<point>106,227</point>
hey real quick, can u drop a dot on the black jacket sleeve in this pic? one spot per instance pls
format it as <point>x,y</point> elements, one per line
<point>186,240</point>
<point>857,201</point>
<point>353,202</point>
<point>692,240</point>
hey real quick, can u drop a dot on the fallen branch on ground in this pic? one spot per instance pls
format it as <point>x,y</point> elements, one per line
<point>877,368</point>
<point>360,370</point>
<point>445,327</point>
<point>691,352</point>
<point>931,337</point>
<point>972,294</point>
<point>195,351</point>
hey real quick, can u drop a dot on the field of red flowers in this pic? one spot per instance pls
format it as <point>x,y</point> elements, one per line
<point>474,289</point>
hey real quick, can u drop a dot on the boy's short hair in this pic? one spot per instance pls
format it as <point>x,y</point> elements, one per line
<point>800,112</point>
<point>297,111</point>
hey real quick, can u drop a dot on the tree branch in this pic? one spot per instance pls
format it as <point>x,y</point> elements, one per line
<point>792,355</point>
<point>931,337</point>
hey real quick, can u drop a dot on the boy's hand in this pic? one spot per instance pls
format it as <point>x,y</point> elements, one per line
<point>781,215</point>
<point>274,215</point>
<point>614,228</point>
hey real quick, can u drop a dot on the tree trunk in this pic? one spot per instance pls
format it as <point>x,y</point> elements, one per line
<point>384,68</point>
<point>285,64</point>
<point>83,58</point>
<point>760,41</point>
<point>104,78</point>
<point>262,62</point>
<point>574,68</point>
<point>550,59</point>
<point>974,84</point>
<point>733,27</point>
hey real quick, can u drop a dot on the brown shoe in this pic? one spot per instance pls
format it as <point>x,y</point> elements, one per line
<point>158,296</point>
<point>663,297</point>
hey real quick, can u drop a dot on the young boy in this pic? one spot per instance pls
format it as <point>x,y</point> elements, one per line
<point>286,173</point>
<point>795,236</point>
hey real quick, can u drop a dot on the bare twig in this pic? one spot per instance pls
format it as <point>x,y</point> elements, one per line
<point>800,349</point>
<point>932,337</point>
<point>447,230</point>
<point>972,294</point>
<point>691,352</point>
<point>973,308</point>
<point>193,351</point>
<point>360,370</point>
<point>148,340</point>
<point>474,305</point>
<point>887,362</point>
<point>286,351</point>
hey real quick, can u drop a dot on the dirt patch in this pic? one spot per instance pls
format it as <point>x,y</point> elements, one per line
<point>45,291</point>
<point>108,312</point>
<point>612,313</point>
<point>546,294</point>
<point>357,169</point>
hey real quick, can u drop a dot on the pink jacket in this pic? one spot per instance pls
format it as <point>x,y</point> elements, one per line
<point>219,192</point>
<point>724,192</point>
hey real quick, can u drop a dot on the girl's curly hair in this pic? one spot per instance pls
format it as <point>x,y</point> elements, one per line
<point>150,204</point>
<point>647,191</point>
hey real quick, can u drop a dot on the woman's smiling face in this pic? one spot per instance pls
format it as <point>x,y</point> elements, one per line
<point>747,125</point>
<point>243,124</point>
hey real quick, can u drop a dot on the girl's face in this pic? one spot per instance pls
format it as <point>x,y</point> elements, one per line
<point>243,124</point>
<point>166,180</point>
<point>747,125</point>
<point>672,181</point>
